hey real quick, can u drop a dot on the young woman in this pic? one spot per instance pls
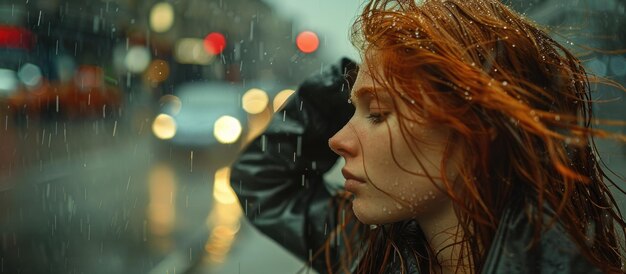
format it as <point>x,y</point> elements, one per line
<point>468,148</point>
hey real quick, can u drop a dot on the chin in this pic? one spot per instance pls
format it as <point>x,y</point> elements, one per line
<point>374,215</point>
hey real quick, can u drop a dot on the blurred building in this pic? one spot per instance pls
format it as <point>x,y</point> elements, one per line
<point>260,46</point>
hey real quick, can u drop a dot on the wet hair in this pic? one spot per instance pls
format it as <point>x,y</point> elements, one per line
<point>519,108</point>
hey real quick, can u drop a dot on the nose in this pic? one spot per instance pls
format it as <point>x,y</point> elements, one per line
<point>344,142</point>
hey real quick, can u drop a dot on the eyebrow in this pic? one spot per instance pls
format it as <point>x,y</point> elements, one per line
<point>357,94</point>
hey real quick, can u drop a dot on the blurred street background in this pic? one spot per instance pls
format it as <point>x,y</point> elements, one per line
<point>119,119</point>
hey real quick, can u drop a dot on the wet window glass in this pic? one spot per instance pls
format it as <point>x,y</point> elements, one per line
<point>119,120</point>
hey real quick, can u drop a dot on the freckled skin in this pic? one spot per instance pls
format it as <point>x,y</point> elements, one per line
<point>365,146</point>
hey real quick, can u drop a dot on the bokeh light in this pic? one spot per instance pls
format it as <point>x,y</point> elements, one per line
<point>8,81</point>
<point>16,37</point>
<point>172,103</point>
<point>227,129</point>
<point>191,51</point>
<point>281,98</point>
<point>30,75</point>
<point>164,126</point>
<point>137,59</point>
<point>307,41</point>
<point>158,71</point>
<point>214,43</point>
<point>162,17</point>
<point>254,101</point>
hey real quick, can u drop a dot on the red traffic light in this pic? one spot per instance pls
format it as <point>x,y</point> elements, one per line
<point>307,41</point>
<point>214,43</point>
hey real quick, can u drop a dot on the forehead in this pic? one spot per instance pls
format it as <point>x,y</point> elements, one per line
<point>364,79</point>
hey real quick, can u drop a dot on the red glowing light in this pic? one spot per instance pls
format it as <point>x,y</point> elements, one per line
<point>16,37</point>
<point>307,41</point>
<point>214,43</point>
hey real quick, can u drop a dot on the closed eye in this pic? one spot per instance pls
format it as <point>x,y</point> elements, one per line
<point>377,117</point>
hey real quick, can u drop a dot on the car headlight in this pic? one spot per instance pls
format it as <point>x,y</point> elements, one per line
<point>227,129</point>
<point>164,126</point>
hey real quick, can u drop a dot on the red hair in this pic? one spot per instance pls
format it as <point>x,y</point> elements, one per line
<point>519,108</point>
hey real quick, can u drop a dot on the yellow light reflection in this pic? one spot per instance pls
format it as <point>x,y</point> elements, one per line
<point>281,98</point>
<point>162,17</point>
<point>164,126</point>
<point>191,51</point>
<point>222,192</point>
<point>173,102</point>
<point>161,207</point>
<point>254,101</point>
<point>224,218</point>
<point>257,124</point>
<point>227,129</point>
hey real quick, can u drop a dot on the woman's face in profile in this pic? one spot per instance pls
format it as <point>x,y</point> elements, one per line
<point>382,168</point>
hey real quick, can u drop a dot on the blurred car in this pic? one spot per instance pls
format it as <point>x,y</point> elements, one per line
<point>88,95</point>
<point>214,118</point>
<point>30,84</point>
<point>24,85</point>
<point>201,117</point>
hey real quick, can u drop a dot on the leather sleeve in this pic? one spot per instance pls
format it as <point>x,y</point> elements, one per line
<point>279,176</point>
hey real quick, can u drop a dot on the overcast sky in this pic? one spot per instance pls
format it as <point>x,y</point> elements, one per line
<point>331,19</point>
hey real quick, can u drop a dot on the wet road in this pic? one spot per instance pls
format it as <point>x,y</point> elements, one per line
<point>103,196</point>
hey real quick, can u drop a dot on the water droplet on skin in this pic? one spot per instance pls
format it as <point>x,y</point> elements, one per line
<point>425,197</point>
<point>505,83</point>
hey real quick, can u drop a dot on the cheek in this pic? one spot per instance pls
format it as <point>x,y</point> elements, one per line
<point>418,195</point>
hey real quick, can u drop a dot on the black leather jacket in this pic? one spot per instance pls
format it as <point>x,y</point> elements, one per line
<point>279,181</point>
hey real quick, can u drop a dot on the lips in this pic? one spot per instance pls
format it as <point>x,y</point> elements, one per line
<point>349,176</point>
<point>353,183</point>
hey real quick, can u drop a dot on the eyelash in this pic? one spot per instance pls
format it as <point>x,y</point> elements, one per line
<point>376,118</point>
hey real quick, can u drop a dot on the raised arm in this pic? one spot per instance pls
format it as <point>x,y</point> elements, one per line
<point>279,176</point>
